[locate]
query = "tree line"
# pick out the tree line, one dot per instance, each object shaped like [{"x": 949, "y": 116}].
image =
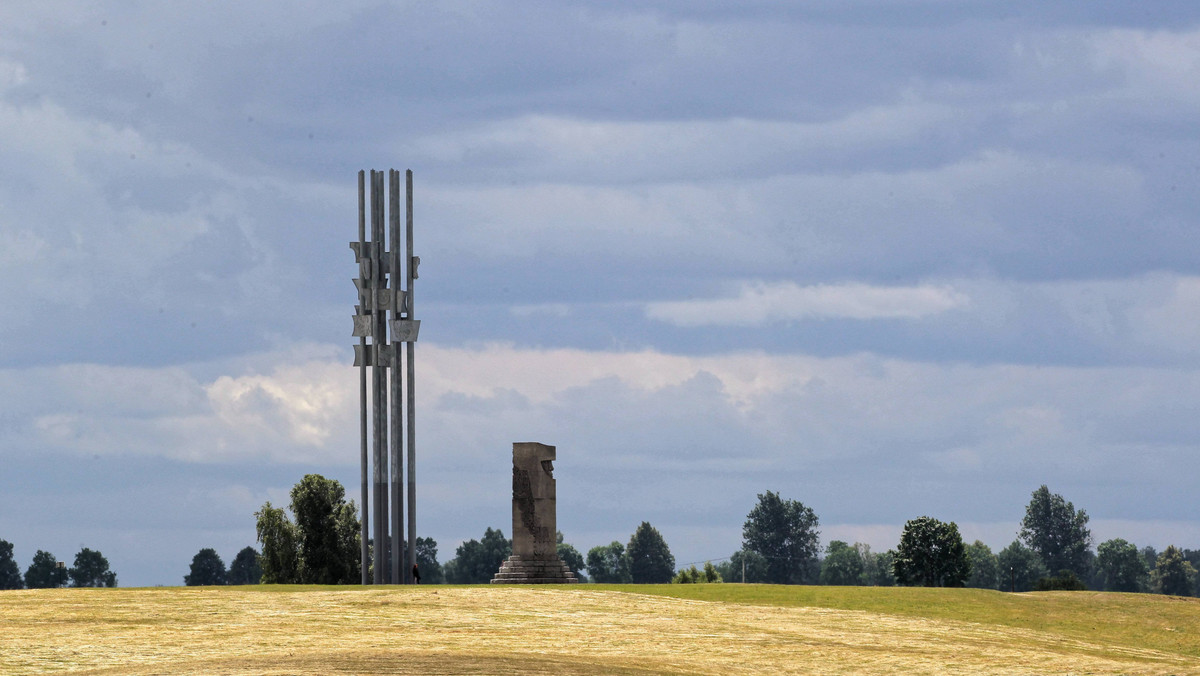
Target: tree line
[
  {"x": 46, "y": 572},
  {"x": 316, "y": 541},
  {"x": 1051, "y": 551},
  {"x": 780, "y": 545},
  {"x": 209, "y": 569}
]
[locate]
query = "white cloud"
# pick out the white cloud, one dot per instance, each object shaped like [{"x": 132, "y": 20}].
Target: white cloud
[
  {"x": 573, "y": 149},
  {"x": 301, "y": 404},
  {"x": 12, "y": 74},
  {"x": 674, "y": 439},
  {"x": 1154, "y": 65},
  {"x": 1008, "y": 212},
  {"x": 96, "y": 212},
  {"x": 744, "y": 411},
  {"x": 550, "y": 309},
  {"x": 1154, "y": 317},
  {"x": 543, "y": 375},
  {"x": 1171, "y": 320},
  {"x": 759, "y": 303},
  {"x": 291, "y": 413},
  {"x": 160, "y": 172}
]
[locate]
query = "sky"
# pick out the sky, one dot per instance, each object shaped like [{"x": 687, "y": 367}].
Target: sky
[{"x": 887, "y": 258}]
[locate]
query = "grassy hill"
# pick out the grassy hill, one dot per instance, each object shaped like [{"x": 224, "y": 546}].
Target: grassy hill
[{"x": 593, "y": 629}]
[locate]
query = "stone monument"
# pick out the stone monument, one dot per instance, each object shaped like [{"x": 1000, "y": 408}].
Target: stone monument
[{"x": 535, "y": 532}]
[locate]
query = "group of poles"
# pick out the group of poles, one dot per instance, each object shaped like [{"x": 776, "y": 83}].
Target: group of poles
[{"x": 384, "y": 310}]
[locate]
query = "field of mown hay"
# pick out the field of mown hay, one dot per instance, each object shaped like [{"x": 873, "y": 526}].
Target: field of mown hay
[{"x": 591, "y": 629}]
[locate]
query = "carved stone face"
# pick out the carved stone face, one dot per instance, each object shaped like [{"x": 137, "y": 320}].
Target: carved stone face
[{"x": 537, "y": 462}]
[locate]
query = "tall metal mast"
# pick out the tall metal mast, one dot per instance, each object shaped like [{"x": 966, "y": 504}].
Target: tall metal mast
[{"x": 382, "y": 270}]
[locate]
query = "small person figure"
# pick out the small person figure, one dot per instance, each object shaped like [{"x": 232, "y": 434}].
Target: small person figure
[{"x": 416, "y": 574}]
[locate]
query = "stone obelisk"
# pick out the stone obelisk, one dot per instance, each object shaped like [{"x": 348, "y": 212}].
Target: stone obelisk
[{"x": 535, "y": 543}]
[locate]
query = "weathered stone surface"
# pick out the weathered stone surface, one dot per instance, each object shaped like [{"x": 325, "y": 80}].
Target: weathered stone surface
[
  {"x": 535, "y": 553},
  {"x": 517, "y": 571}
]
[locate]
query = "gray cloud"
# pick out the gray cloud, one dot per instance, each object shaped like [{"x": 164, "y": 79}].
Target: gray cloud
[
  {"x": 177, "y": 191},
  {"x": 681, "y": 441},
  {"x": 759, "y": 303}
]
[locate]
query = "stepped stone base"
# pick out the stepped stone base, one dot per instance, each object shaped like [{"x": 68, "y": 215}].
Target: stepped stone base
[{"x": 518, "y": 570}]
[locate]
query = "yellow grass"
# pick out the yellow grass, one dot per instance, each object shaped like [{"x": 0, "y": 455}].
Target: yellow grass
[{"x": 589, "y": 630}]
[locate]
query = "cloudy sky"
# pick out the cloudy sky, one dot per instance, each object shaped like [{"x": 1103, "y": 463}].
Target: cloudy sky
[{"x": 888, "y": 258}]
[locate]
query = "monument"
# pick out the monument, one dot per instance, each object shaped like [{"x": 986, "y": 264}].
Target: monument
[
  {"x": 535, "y": 532},
  {"x": 385, "y": 307}
]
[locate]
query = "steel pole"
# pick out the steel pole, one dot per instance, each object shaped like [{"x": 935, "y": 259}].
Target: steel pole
[
  {"x": 397, "y": 495},
  {"x": 411, "y": 274},
  {"x": 363, "y": 297},
  {"x": 378, "y": 384}
]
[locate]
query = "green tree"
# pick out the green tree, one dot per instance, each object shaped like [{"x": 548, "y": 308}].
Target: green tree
[
  {"x": 1172, "y": 573},
  {"x": 427, "y": 561},
  {"x": 690, "y": 575},
  {"x": 931, "y": 554},
  {"x": 478, "y": 561},
  {"x": 571, "y": 556},
  {"x": 879, "y": 568},
  {"x": 10, "y": 572},
  {"x": 843, "y": 565},
  {"x": 1020, "y": 568},
  {"x": 280, "y": 560},
  {"x": 321, "y": 546},
  {"x": 1091, "y": 580},
  {"x": 1192, "y": 556},
  {"x": 207, "y": 569},
  {"x": 1149, "y": 557},
  {"x": 693, "y": 575},
  {"x": 1120, "y": 567},
  {"x": 744, "y": 566},
  {"x": 608, "y": 564},
  {"x": 328, "y": 531},
  {"x": 985, "y": 567},
  {"x": 1058, "y": 533},
  {"x": 650, "y": 559},
  {"x": 868, "y": 563},
  {"x": 245, "y": 568},
  {"x": 785, "y": 533},
  {"x": 91, "y": 570},
  {"x": 45, "y": 572},
  {"x": 349, "y": 538}
]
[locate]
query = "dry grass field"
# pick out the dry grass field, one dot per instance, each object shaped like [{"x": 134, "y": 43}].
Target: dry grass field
[{"x": 589, "y": 629}]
